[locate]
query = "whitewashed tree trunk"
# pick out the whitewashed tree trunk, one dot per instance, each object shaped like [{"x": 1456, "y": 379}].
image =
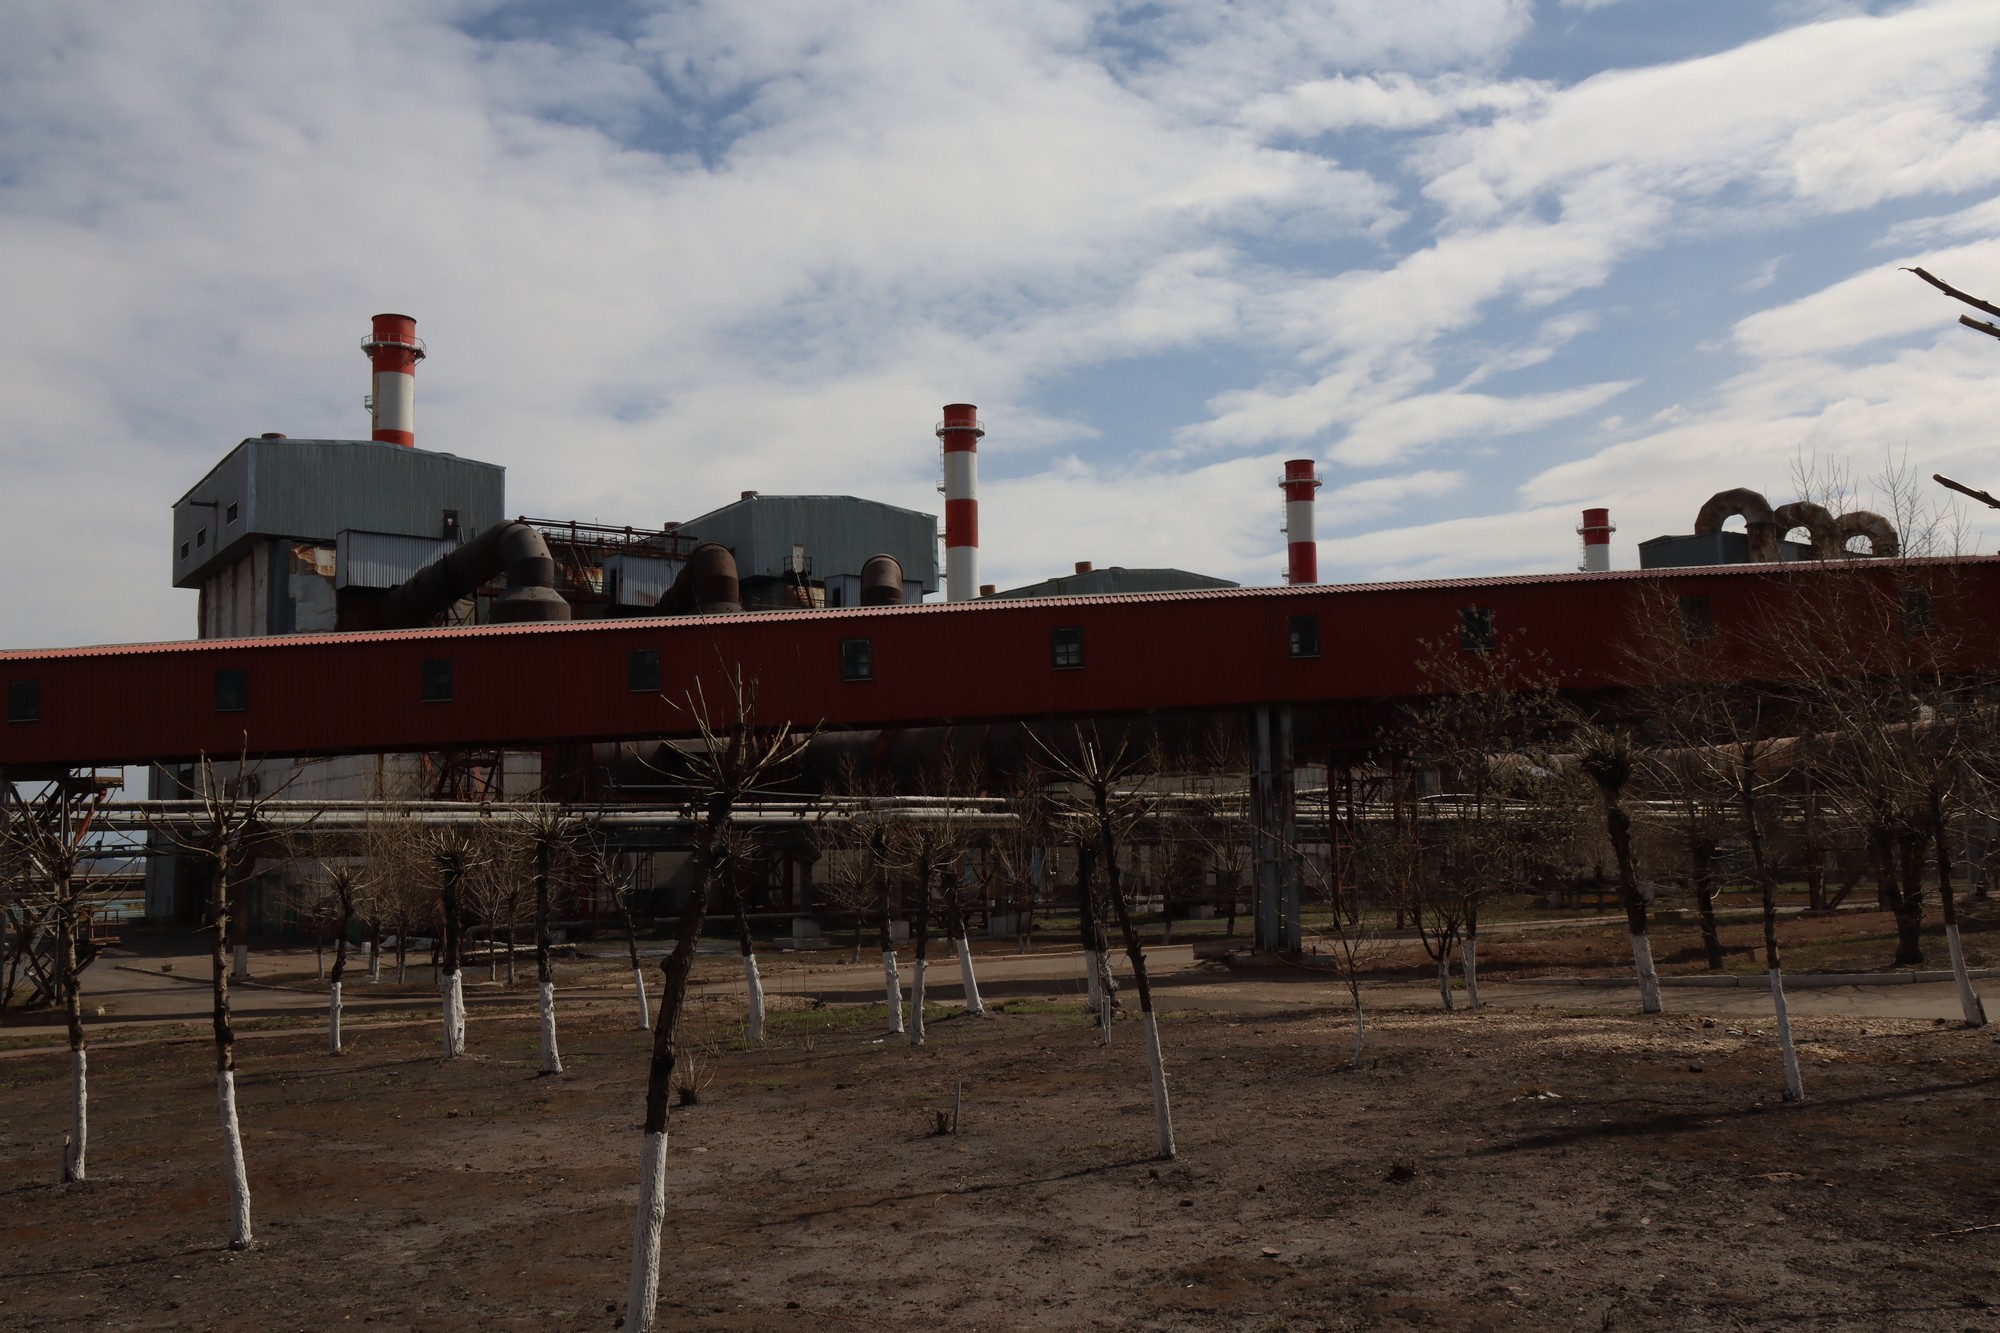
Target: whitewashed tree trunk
[
  {"x": 454, "y": 1015},
  {"x": 1794, "y": 1090},
  {"x": 241, "y": 971},
  {"x": 374, "y": 962},
  {"x": 551, "y": 1059},
  {"x": 892, "y": 992},
  {"x": 1444, "y": 978},
  {"x": 649, "y": 1220},
  {"x": 79, "y": 1113},
  {"x": 1107, "y": 985},
  {"x": 1096, "y": 990},
  {"x": 1470, "y": 967},
  {"x": 645, "y": 1013},
  {"x": 917, "y": 1003},
  {"x": 1968, "y": 999},
  {"x": 754, "y": 984},
  {"x": 1649, "y": 979},
  {"x": 232, "y": 1146},
  {"x": 1163, "y": 1117},
  {"x": 333, "y": 1019},
  {"x": 968, "y": 977}
]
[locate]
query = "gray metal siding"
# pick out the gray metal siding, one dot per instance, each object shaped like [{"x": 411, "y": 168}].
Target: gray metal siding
[
  {"x": 839, "y": 533},
  {"x": 382, "y": 559},
  {"x": 1115, "y": 580},
  {"x": 316, "y": 489}
]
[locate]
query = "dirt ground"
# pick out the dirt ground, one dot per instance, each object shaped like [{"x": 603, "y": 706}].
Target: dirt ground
[{"x": 1491, "y": 1171}]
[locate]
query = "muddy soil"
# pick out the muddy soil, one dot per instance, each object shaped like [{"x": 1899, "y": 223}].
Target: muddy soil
[{"x": 1548, "y": 1170}]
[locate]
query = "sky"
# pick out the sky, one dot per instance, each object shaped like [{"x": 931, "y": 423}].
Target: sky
[{"x": 1488, "y": 262}]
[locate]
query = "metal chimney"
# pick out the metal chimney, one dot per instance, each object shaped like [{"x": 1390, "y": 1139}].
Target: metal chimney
[
  {"x": 1301, "y": 547},
  {"x": 1596, "y": 529},
  {"x": 394, "y": 351},
  {"x": 960, "y": 431}
]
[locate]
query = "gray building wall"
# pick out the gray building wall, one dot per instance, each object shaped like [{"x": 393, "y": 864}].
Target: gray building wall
[
  {"x": 1714, "y": 548},
  {"x": 839, "y": 533},
  {"x": 312, "y": 490},
  {"x": 1117, "y": 579}
]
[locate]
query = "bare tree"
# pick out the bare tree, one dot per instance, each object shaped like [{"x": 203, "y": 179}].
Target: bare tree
[
  {"x": 1104, "y": 790},
  {"x": 621, "y": 883},
  {"x": 736, "y": 757},
  {"x": 42, "y": 841},
  {"x": 453, "y": 856},
  {"x": 552, "y": 835},
  {"x": 224, "y": 835}
]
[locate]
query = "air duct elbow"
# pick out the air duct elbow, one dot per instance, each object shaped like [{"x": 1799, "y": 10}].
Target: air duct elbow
[
  {"x": 513, "y": 549},
  {"x": 1759, "y": 524},
  {"x": 707, "y": 584},
  {"x": 882, "y": 581}
]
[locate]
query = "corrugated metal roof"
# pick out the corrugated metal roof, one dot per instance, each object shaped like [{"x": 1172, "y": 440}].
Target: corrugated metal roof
[
  {"x": 1117, "y": 581},
  {"x": 995, "y": 605},
  {"x": 311, "y": 490},
  {"x": 839, "y": 533}
]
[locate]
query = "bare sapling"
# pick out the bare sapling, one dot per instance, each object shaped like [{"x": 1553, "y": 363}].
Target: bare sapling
[
  {"x": 892, "y": 984},
  {"x": 921, "y": 937},
  {"x": 345, "y": 884},
  {"x": 41, "y": 843},
  {"x": 1968, "y": 999},
  {"x": 753, "y": 980},
  {"x": 1105, "y": 791},
  {"x": 955, "y": 914},
  {"x": 1606, "y": 758},
  {"x": 734, "y": 758},
  {"x": 552, "y": 835},
  {"x": 451, "y": 859}
]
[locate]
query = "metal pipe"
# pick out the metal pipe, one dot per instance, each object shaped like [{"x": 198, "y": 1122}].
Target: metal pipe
[
  {"x": 706, "y": 585},
  {"x": 881, "y": 581},
  {"x": 514, "y": 549}
]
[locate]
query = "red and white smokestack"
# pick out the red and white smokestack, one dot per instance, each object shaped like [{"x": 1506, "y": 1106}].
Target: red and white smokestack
[
  {"x": 1596, "y": 529},
  {"x": 1301, "y": 547},
  {"x": 394, "y": 351},
  {"x": 960, "y": 431}
]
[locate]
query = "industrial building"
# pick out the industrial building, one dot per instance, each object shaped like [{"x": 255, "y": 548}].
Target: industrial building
[{"x": 528, "y": 654}]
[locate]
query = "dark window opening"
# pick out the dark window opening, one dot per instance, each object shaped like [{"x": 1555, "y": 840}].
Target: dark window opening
[
  {"x": 1303, "y": 632},
  {"x": 1475, "y": 629},
  {"x": 201, "y": 536},
  {"x": 857, "y": 659},
  {"x": 451, "y": 523},
  {"x": 184, "y": 550},
  {"x": 436, "y": 680},
  {"x": 229, "y": 515},
  {"x": 24, "y": 701},
  {"x": 232, "y": 690},
  {"x": 1066, "y": 647},
  {"x": 1917, "y": 611},
  {"x": 1697, "y": 619},
  {"x": 642, "y": 671}
]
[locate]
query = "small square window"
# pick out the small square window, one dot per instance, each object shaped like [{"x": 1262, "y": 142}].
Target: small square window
[
  {"x": 1697, "y": 619},
  {"x": 24, "y": 701},
  {"x": 857, "y": 659},
  {"x": 642, "y": 671},
  {"x": 450, "y": 524},
  {"x": 1917, "y": 611},
  {"x": 201, "y": 536},
  {"x": 1303, "y": 634},
  {"x": 229, "y": 514},
  {"x": 184, "y": 550},
  {"x": 232, "y": 690},
  {"x": 1066, "y": 647},
  {"x": 1475, "y": 629},
  {"x": 435, "y": 680}
]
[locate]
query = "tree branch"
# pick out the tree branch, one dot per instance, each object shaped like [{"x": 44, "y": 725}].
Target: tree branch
[{"x": 1957, "y": 295}]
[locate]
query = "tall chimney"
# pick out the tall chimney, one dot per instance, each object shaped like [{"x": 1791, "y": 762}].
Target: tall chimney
[
  {"x": 1596, "y": 529},
  {"x": 394, "y": 351},
  {"x": 960, "y": 431},
  {"x": 1301, "y": 548}
]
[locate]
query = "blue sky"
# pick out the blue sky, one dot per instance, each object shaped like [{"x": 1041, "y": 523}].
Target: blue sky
[{"x": 1488, "y": 261}]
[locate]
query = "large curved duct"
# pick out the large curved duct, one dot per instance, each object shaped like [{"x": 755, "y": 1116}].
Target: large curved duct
[
  {"x": 515, "y": 549},
  {"x": 1758, "y": 521},
  {"x": 707, "y": 584},
  {"x": 1880, "y": 532},
  {"x": 882, "y": 581},
  {"x": 1815, "y": 520}
]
